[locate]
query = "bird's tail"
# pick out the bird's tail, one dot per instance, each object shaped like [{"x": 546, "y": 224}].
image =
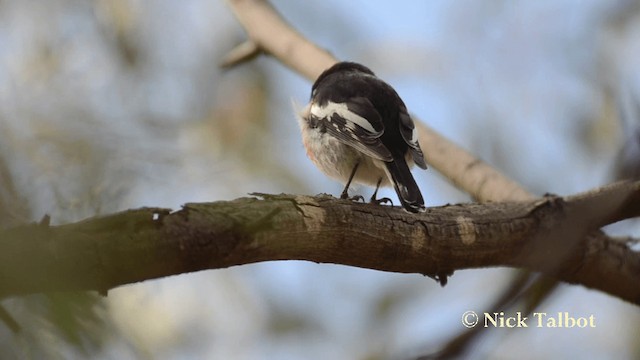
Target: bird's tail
[{"x": 405, "y": 185}]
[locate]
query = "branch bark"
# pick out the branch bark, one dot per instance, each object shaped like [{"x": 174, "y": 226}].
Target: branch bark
[{"x": 105, "y": 252}]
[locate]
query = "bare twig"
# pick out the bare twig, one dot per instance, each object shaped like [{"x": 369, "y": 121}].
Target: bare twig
[{"x": 244, "y": 52}]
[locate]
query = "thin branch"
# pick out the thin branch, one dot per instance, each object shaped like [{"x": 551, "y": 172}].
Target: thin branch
[
  {"x": 244, "y": 52},
  {"x": 266, "y": 28},
  {"x": 104, "y": 252}
]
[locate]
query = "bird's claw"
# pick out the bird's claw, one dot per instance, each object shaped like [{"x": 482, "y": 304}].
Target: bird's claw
[
  {"x": 345, "y": 196},
  {"x": 384, "y": 200}
]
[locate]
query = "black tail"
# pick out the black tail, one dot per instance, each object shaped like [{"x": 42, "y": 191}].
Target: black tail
[{"x": 406, "y": 187}]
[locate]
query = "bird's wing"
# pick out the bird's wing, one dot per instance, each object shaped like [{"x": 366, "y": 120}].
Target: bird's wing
[
  {"x": 356, "y": 123},
  {"x": 410, "y": 136}
]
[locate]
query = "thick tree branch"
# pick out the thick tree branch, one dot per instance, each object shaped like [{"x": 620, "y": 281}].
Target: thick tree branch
[{"x": 104, "y": 252}]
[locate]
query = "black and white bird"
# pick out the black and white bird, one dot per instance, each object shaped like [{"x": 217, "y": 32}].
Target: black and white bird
[{"x": 357, "y": 129}]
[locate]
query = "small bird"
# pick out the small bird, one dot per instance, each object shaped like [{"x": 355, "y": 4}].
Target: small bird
[{"x": 356, "y": 128}]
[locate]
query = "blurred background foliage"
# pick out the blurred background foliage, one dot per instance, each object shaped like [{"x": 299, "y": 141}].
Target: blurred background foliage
[{"x": 113, "y": 104}]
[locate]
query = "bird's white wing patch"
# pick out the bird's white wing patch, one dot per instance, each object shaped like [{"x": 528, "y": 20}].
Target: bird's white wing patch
[{"x": 325, "y": 112}]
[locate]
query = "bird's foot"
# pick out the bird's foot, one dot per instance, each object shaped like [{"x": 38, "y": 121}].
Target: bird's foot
[
  {"x": 384, "y": 200},
  {"x": 356, "y": 198}
]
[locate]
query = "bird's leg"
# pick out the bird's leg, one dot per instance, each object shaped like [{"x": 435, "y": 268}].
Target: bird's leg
[
  {"x": 384, "y": 200},
  {"x": 345, "y": 194}
]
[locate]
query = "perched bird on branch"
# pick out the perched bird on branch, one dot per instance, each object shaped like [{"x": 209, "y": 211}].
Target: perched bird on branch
[{"x": 357, "y": 129}]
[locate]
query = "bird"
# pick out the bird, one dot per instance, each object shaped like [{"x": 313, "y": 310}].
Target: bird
[{"x": 356, "y": 128}]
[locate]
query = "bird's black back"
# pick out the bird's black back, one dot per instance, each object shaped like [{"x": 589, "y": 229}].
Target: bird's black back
[{"x": 347, "y": 80}]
